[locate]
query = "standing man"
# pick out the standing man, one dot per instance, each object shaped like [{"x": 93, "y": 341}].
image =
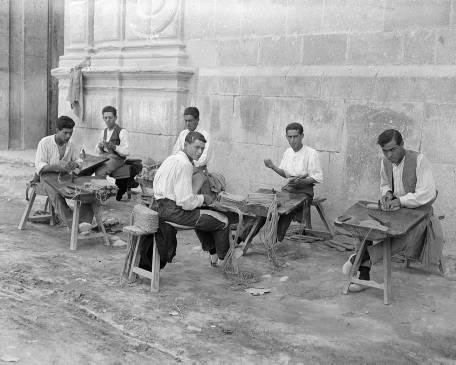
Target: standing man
[
  {"x": 405, "y": 181},
  {"x": 301, "y": 166},
  {"x": 177, "y": 203},
  {"x": 113, "y": 143},
  {"x": 56, "y": 155}
]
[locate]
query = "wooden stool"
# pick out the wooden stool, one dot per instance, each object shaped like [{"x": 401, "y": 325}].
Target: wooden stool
[
  {"x": 36, "y": 189},
  {"x": 134, "y": 242},
  {"x": 307, "y": 221},
  {"x": 131, "y": 266}
]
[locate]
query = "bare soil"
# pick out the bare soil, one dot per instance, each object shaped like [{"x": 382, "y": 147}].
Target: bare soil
[{"x": 66, "y": 307}]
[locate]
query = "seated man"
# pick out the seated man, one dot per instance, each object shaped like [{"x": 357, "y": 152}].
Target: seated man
[
  {"x": 301, "y": 166},
  {"x": 113, "y": 143},
  {"x": 176, "y": 202},
  {"x": 405, "y": 181},
  {"x": 56, "y": 155},
  {"x": 200, "y": 180}
]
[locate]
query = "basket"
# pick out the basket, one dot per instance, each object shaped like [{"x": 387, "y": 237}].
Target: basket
[{"x": 145, "y": 219}]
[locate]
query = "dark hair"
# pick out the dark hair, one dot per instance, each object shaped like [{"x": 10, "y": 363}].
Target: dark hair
[
  {"x": 64, "y": 122},
  {"x": 388, "y": 135},
  {"x": 193, "y": 111},
  {"x": 194, "y": 136},
  {"x": 295, "y": 127},
  {"x": 109, "y": 109}
]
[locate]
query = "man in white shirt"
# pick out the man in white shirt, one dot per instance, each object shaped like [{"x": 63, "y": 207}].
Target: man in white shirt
[
  {"x": 56, "y": 155},
  {"x": 405, "y": 181},
  {"x": 301, "y": 166},
  {"x": 177, "y": 203},
  {"x": 113, "y": 143}
]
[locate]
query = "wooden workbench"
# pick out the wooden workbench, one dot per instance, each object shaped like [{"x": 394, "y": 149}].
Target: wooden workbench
[{"x": 399, "y": 223}]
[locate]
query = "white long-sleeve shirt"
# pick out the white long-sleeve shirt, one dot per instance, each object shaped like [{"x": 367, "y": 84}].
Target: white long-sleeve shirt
[
  {"x": 47, "y": 153},
  {"x": 425, "y": 186},
  {"x": 207, "y": 153},
  {"x": 122, "y": 149},
  {"x": 305, "y": 161},
  {"x": 173, "y": 181}
]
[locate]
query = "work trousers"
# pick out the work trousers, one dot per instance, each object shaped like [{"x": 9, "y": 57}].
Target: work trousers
[
  {"x": 211, "y": 228},
  {"x": 107, "y": 168}
]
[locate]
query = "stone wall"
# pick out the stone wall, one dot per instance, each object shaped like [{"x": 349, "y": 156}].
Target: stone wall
[
  {"x": 4, "y": 73},
  {"x": 346, "y": 69}
]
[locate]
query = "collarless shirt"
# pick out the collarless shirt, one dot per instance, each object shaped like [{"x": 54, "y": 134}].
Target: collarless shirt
[
  {"x": 207, "y": 153},
  {"x": 425, "y": 186},
  {"x": 305, "y": 161},
  {"x": 173, "y": 181},
  {"x": 47, "y": 153}
]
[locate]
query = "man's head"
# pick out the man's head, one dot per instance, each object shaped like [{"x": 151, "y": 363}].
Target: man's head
[
  {"x": 109, "y": 114},
  {"x": 392, "y": 145},
  {"x": 191, "y": 117},
  {"x": 63, "y": 129},
  {"x": 194, "y": 145},
  {"x": 295, "y": 134}
]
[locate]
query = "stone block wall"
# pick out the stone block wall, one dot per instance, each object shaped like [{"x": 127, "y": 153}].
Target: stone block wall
[{"x": 346, "y": 69}]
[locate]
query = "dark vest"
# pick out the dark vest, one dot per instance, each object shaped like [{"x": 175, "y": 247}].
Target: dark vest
[
  {"x": 408, "y": 174},
  {"x": 115, "y": 136}
]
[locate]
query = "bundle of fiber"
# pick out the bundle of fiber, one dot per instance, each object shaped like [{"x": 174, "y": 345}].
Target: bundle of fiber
[{"x": 145, "y": 219}]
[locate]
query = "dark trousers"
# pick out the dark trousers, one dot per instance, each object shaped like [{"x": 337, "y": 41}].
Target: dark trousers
[{"x": 213, "y": 233}]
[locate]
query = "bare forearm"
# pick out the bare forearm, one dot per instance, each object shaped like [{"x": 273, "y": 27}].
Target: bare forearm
[
  {"x": 279, "y": 171},
  {"x": 51, "y": 168}
]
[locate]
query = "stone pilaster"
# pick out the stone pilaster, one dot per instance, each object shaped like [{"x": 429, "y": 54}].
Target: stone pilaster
[{"x": 137, "y": 63}]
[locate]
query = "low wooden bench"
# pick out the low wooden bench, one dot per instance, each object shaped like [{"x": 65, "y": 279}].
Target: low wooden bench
[
  {"x": 36, "y": 189},
  {"x": 133, "y": 258}
]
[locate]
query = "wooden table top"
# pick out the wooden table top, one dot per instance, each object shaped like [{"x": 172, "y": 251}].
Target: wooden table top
[
  {"x": 287, "y": 202},
  {"x": 90, "y": 163},
  {"x": 399, "y": 222},
  {"x": 66, "y": 187}
]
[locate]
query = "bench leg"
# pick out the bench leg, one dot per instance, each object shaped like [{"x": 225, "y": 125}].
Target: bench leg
[
  {"x": 248, "y": 240},
  {"x": 306, "y": 215},
  {"x": 52, "y": 210},
  {"x": 135, "y": 258},
  {"x": 97, "y": 212},
  {"x": 155, "y": 280},
  {"x": 27, "y": 210},
  {"x": 387, "y": 271},
  {"x": 75, "y": 225},
  {"x": 356, "y": 265},
  {"x": 324, "y": 217}
]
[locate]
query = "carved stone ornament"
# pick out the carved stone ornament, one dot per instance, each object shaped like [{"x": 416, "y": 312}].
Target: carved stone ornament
[{"x": 148, "y": 18}]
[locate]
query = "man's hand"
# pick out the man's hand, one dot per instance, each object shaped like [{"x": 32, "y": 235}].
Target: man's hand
[
  {"x": 299, "y": 181},
  {"x": 208, "y": 200},
  {"x": 268, "y": 163},
  {"x": 395, "y": 203},
  {"x": 67, "y": 166},
  {"x": 387, "y": 197}
]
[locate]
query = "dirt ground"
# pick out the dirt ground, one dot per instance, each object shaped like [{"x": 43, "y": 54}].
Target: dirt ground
[{"x": 66, "y": 307}]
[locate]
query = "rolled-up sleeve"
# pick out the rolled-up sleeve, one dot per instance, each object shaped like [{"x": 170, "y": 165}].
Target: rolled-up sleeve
[
  {"x": 315, "y": 171},
  {"x": 41, "y": 158},
  {"x": 425, "y": 190},
  {"x": 123, "y": 149},
  {"x": 183, "y": 190}
]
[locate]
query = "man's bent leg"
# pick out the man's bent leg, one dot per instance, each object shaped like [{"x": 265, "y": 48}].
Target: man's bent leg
[
  {"x": 213, "y": 231},
  {"x": 109, "y": 166},
  {"x": 61, "y": 208}
]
